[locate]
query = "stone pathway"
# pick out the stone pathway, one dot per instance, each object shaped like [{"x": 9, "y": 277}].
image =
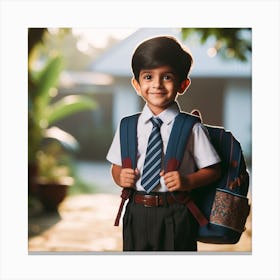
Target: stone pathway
[{"x": 85, "y": 224}]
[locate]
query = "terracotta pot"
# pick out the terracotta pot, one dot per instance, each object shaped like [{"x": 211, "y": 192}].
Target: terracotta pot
[{"x": 51, "y": 194}]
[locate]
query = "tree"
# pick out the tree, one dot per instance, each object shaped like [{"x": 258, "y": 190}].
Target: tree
[{"x": 230, "y": 42}]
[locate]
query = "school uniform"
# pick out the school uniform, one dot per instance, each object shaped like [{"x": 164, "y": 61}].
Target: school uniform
[{"x": 168, "y": 226}]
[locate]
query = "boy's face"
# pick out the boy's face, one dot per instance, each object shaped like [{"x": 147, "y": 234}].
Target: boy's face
[{"x": 159, "y": 87}]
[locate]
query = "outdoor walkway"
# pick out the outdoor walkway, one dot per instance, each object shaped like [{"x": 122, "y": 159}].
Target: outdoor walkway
[{"x": 85, "y": 224}]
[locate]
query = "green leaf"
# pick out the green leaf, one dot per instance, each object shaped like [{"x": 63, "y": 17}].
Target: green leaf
[
  {"x": 69, "y": 105},
  {"x": 47, "y": 79},
  {"x": 230, "y": 38},
  {"x": 63, "y": 137}
]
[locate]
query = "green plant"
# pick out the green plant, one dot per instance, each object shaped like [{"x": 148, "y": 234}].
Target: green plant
[
  {"x": 231, "y": 43},
  {"x": 43, "y": 112},
  {"x": 53, "y": 164}
]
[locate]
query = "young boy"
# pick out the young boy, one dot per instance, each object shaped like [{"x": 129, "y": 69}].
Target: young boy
[{"x": 161, "y": 67}]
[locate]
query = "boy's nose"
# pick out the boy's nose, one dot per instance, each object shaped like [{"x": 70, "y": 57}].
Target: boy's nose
[{"x": 157, "y": 83}]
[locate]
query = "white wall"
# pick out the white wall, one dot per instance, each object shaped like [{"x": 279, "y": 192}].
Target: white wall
[
  {"x": 238, "y": 112},
  {"x": 125, "y": 102}
]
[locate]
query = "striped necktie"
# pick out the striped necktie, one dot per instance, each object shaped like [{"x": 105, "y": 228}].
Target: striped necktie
[{"x": 152, "y": 165}]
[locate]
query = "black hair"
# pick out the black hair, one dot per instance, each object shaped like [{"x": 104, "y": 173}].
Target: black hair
[{"x": 160, "y": 51}]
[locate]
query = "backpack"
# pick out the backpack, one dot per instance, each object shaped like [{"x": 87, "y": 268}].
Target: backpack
[{"x": 221, "y": 208}]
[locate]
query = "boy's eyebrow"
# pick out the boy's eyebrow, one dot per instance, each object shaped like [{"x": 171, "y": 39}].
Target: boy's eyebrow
[{"x": 145, "y": 71}]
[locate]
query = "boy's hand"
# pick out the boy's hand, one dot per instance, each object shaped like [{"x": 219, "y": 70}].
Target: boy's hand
[
  {"x": 202, "y": 177},
  {"x": 128, "y": 177},
  {"x": 174, "y": 181}
]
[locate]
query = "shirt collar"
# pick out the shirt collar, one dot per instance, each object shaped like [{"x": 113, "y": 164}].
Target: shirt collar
[{"x": 167, "y": 116}]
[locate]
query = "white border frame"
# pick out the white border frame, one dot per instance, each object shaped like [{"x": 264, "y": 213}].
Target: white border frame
[{"x": 17, "y": 16}]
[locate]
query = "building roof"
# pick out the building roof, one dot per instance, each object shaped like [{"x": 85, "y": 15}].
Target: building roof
[{"x": 117, "y": 60}]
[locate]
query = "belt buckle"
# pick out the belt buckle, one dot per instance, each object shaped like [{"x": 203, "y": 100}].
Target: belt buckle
[{"x": 147, "y": 196}]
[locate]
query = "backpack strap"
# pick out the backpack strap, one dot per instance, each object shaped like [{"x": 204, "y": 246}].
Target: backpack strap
[
  {"x": 128, "y": 140},
  {"x": 178, "y": 140}
]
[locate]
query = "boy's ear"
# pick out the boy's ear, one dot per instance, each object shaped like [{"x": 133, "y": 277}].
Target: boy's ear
[
  {"x": 184, "y": 85},
  {"x": 136, "y": 85}
]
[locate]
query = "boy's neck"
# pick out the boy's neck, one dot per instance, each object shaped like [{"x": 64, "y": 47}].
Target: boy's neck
[{"x": 158, "y": 110}]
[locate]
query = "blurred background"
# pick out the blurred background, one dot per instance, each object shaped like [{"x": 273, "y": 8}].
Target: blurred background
[{"x": 78, "y": 90}]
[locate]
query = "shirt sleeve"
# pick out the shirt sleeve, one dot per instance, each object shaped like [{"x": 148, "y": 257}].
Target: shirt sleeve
[
  {"x": 114, "y": 153},
  {"x": 202, "y": 149}
]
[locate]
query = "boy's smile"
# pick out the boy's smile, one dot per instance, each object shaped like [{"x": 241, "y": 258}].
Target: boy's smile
[{"x": 159, "y": 87}]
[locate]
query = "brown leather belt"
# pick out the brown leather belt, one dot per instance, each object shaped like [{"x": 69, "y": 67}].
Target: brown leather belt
[
  {"x": 160, "y": 199},
  {"x": 155, "y": 200}
]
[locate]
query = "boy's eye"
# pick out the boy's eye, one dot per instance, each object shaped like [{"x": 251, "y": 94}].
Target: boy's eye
[
  {"x": 166, "y": 77},
  {"x": 147, "y": 77}
]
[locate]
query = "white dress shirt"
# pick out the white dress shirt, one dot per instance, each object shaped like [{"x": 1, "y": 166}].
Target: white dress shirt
[{"x": 199, "y": 152}]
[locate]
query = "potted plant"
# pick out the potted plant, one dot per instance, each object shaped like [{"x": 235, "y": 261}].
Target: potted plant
[
  {"x": 54, "y": 176},
  {"x": 45, "y": 170}
]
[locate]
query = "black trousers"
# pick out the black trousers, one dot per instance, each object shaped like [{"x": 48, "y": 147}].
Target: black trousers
[{"x": 164, "y": 228}]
